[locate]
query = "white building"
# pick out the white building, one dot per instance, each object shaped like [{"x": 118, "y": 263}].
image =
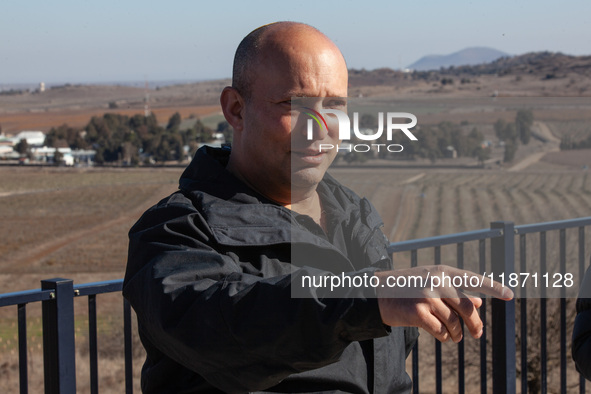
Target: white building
[
  {"x": 33, "y": 138},
  {"x": 45, "y": 154},
  {"x": 6, "y": 152}
]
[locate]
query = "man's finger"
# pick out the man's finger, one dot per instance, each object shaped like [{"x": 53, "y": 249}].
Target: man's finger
[
  {"x": 466, "y": 309},
  {"x": 433, "y": 325},
  {"x": 449, "y": 318}
]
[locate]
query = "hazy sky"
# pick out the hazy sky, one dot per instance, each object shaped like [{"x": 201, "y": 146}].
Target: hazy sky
[{"x": 96, "y": 41}]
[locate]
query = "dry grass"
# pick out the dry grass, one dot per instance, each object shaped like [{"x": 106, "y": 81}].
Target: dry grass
[
  {"x": 63, "y": 220},
  {"x": 580, "y": 158}
]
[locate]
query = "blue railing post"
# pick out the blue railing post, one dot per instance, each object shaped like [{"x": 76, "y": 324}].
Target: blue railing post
[
  {"x": 58, "y": 337},
  {"x": 503, "y": 312}
]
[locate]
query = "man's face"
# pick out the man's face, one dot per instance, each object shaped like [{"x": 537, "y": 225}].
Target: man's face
[{"x": 282, "y": 157}]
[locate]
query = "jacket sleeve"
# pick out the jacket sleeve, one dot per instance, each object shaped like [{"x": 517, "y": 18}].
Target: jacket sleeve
[
  {"x": 581, "y": 346},
  {"x": 240, "y": 332}
]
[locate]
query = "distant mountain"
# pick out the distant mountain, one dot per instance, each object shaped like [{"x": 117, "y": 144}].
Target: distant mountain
[
  {"x": 468, "y": 56},
  {"x": 542, "y": 65},
  {"x": 546, "y": 65}
]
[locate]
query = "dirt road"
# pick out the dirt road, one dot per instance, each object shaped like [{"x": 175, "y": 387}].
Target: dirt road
[{"x": 551, "y": 144}]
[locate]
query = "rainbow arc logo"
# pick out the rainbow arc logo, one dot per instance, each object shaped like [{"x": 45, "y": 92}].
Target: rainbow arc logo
[{"x": 316, "y": 116}]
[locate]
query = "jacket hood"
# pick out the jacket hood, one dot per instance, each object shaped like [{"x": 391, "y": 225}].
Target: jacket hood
[{"x": 207, "y": 173}]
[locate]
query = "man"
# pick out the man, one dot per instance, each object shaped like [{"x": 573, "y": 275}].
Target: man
[
  {"x": 210, "y": 271},
  {"x": 581, "y": 340}
]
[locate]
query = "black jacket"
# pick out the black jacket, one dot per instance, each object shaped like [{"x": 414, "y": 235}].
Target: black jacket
[
  {"x": 581, "y": 349},
  {"x": 210, "y": 274}
]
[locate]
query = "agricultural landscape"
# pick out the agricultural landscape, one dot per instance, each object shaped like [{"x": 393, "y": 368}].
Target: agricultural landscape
[{"x": 73, "y": 222}]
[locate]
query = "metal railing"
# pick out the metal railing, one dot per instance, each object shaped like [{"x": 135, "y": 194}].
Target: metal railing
[
  {"x": 57, "y": 299},
  {"x": 501, "y": 237},
  {"x": 57, "y": 310}
]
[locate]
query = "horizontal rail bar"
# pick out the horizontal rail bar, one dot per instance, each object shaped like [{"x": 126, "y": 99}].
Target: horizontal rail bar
[
  {"x": 36, "y": 295},
  {"x": 440, "y": 240},
  {"x": 109, "y": 286},
  {"x": 25, "y": 297},
  {"x": 556, "y": 225}
]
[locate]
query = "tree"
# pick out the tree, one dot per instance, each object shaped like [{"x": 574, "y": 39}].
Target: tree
[
  {"x": 108, "y": 135},
  {"x": 523, "y": 122},
  {"x": 225, "y": 128},
  {"x": 368, "y": 121},
  {"x": 57, "y": 157},
  {"x": 199, "y": 133},
  {"x": 70, "y": 137},
  {"x": 506, "y": 131},
  {"x": 193, "y": 146},
  {"x": 510, "y": 149},
  {"x": 99, "y": 157},
  {"x": 174, "y": 122},
  {"x": 499, "y": 127},
  {"x": 22, "y": 147},
  {"x": 474, "y": 144},
  {"x": 482, "y": 154},
  {"x": 129, "y": 153},
  {"x": 429, "y": 147},
  {"x": 169, "y": 147}
]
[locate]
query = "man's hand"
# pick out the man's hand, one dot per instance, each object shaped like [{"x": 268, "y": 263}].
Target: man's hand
[{"x": 437, "y": 309}]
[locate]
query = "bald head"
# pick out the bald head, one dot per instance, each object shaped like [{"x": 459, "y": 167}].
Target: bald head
[
  {"x": 268, "y": 42},
  {"x": 273, "y": 64}
]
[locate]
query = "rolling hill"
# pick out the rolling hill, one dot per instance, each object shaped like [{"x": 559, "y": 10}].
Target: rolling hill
[{"x": 468, "y": 56}]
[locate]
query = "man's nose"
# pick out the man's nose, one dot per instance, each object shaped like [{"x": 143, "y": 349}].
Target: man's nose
[
  {"x": 309, "y": 124},
  {"x": 315, "y": 129}
]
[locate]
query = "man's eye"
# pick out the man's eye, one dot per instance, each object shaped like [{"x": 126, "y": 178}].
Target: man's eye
[{"x": 335, "y": 104}]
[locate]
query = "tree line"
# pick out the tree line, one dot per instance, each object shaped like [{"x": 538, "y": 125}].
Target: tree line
[
  {"x": 513, "y": 133},
  {"x": 117, "y": 137},
  {"x": 448, "y": 139},
  {"x": 140, "y": 138}
]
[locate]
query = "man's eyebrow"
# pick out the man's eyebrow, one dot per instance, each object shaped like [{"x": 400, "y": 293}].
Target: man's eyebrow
[
  {"x": 303, "y": 95},
  {"x": 341, "y": 100}
]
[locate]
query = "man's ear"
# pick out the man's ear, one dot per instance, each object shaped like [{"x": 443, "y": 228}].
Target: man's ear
[{"x": 232, "y": 106}]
